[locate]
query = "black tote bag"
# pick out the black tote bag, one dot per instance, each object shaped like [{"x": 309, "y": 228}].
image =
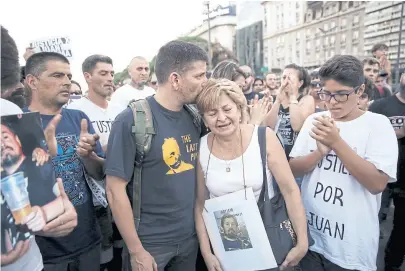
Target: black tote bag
[{"x": 278, "y": 226}]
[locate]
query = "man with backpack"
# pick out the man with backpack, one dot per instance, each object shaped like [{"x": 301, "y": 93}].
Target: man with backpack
[{"x": 152, "y": 154}]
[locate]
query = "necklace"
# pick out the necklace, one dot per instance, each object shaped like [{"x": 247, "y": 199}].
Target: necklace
[
  {"x": 228, "y": 163},
  {"x": 228, "y": 166}
]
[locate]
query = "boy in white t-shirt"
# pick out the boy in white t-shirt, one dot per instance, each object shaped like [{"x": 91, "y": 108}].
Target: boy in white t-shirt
[{"x": 345, "y": 169}]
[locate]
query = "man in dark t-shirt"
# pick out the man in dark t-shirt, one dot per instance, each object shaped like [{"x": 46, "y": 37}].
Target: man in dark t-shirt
[
  {"x": 166, "y": 236},
  {"x": 394, "y": 108}
]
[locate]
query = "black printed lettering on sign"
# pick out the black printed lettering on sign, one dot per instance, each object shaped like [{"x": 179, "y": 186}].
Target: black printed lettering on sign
[
  {"x": 102, "y": 126},
  {"x": 332, "y": 163},
  {"x": 53, "y": 45},
  {"x": 333, "y": 229}
]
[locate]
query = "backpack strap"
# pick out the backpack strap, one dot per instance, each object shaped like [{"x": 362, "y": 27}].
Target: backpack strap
[
  {"x": 143, "y": 132},
  {"x": 193, "y": 111}
]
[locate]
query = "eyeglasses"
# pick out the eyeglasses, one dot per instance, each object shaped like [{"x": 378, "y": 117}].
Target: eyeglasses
[
  {"x": 154, "y": 83},
  {"x": 340, "y": 97}
]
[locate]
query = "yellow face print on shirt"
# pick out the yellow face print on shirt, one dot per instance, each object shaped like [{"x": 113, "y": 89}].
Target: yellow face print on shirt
[{"x": 171, "y": 156}]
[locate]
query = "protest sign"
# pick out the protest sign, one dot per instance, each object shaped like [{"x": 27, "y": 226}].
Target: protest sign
[{"x": 61, "y": 45}]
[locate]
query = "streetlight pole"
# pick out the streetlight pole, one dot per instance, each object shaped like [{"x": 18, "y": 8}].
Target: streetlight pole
[
  {"x": 207, "y": 4},
  {"x": 399, "y": 40}
]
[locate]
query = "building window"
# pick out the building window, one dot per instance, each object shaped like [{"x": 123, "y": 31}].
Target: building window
[
  {"x": 350, "y": 4},
  {"x": 343, "y": 25},
  {"x": 343, "y": 50},
  {"x": 308, "y": 45},
  {"x": 354, "y": 50},
  {"x": 355, "y": 35},
  {"x": 356, "y": 20},
  {"x": 345, "y": 5},
  {"x": 332, "y": 40},
  {"x": 343, "y": 38},
  {"x": 332, "y": 26},
  {"x": 297, "y": 18},
  {"x": 297, "y": 53},
  {"x": 317, "y": 56},
  {"x": 297, "y": 5},
  {"x": 326, "y": 27},
  {"x": 308, "y": 34}
]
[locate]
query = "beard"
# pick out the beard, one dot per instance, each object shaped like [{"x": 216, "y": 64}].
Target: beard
[
  {"x": 9, "y": 160},
  {"x": 231, "y": 234}
]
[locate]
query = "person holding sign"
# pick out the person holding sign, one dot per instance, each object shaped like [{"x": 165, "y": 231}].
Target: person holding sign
[
  {"x": 230, "y": 160},
  {"x": 26, "y": 255},
  {"x": 78, "y": 153},
  {"x": 345, "y": 170}
]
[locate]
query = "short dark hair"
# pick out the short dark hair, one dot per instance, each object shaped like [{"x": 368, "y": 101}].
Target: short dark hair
[
  {"x": 257, "y": 79},
  {"x": 302, "y": 75},
  {"x": 176, "y": 56},
  {"x": 379, "y": 46},
  {"x": 76, "y": 83},
  {"x": 371, "y": 61},
  {"x": 10, "y": 67},
  {"x": 228, "y": 216},
  {"x": 89, "y": 64},
  {"x": 314, "y": 75},
  {"x": 36, "y": 64},
  {"x": 345, "y": 69},
  {"x": 227, "y": 70}
]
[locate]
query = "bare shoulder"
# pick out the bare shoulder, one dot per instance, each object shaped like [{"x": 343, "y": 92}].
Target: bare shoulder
[{"x": 307, "y": 99}]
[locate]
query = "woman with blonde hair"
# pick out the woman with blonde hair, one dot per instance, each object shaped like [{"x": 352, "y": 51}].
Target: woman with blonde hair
[{"x": 230, "y": 160}]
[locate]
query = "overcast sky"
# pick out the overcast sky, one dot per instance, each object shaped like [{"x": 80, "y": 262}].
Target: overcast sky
[{"x": 120, "y": 29}]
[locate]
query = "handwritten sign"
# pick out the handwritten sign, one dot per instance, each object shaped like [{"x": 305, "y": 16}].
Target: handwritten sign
[{"x": 61, "y": 45}]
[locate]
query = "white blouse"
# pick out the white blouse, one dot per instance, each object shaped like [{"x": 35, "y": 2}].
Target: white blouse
[{"x": 220, "y": 182}]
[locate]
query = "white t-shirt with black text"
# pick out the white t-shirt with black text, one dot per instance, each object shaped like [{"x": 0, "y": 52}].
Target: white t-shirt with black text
[
  {"x": 100, "y": 118},
  {"x": 342, "y": 214}
]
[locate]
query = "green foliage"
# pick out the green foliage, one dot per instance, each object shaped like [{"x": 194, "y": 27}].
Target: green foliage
[{"x": 119, "y": 77}]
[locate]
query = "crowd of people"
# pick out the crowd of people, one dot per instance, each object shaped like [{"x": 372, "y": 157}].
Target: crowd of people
[{"x": 135, "y": 176}]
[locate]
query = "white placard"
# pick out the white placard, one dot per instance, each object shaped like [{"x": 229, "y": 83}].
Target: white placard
[
  {"x": 237, "y": 233},
  {"x": 61, "y": 45}
]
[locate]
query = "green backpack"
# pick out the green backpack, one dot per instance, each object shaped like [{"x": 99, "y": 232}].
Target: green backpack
[{"x": 143, "y": 132}]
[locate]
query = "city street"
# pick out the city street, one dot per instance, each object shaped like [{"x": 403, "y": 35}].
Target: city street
[{"x": 386, "y": 228}]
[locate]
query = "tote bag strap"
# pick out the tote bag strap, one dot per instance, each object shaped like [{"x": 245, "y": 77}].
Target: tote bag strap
[{"x": 262, "y": 143}]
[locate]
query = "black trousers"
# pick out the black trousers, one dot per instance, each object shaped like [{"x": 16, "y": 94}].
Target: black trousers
[{"x": 395, "y": 249}]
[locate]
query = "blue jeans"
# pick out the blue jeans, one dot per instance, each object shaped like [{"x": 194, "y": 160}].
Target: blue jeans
[{"x": 179, "y": 257}]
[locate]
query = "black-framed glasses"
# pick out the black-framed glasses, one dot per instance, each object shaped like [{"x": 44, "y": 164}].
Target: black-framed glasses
[{"x": 340, "y": 97}]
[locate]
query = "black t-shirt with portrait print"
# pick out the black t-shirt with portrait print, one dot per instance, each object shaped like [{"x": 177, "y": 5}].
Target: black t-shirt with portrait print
[{"x": 394, "y": 109}]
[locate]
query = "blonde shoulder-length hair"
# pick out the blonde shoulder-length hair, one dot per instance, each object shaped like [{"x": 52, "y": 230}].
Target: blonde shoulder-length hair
[{"x": 209, "y": 96}]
